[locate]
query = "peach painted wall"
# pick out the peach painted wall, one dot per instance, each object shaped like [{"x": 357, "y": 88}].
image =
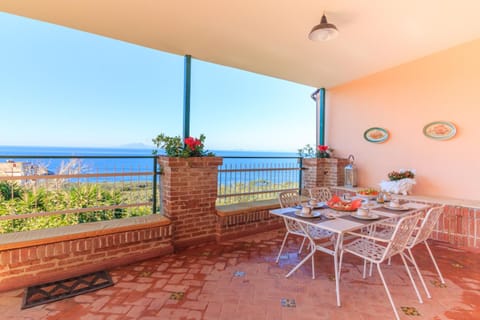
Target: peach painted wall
[{"x": 443, "y": 86}]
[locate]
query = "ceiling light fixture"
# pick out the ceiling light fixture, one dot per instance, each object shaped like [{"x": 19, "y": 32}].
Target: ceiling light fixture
[{"x": 323, "y": 31}]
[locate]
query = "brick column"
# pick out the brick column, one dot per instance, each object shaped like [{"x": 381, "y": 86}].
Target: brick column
[
  {"x": 189, "y": 192},
  {"x": 323, "y": 172}
]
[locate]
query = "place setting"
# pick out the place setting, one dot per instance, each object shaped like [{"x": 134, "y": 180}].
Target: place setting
[
  {"x": 363, "y": 215},
  {"x": 308, "y": 211},
  {"x": 394, "y": 206}
]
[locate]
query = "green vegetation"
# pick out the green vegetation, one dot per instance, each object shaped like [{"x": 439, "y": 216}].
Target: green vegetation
[
  {"x": 16, "y": 199},
  {"x": 256, "y": 190}
]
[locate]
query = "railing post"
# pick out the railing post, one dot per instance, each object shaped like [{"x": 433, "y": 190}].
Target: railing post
[
  {"x": 186, "y": 96},
  {"x": 154, "y": 188},
  {"x": 321, "y": 132},
  {"x": 300, "y": 161}
]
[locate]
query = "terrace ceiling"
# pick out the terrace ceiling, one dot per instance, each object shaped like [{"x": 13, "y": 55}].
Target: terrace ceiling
[{"x": 270, "y": 36}]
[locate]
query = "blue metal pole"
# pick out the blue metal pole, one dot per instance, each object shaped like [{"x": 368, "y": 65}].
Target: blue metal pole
[
  {"x": 300, "y": 182},
  {"x": 154, "y": 198},
  {"x": 321, "y": 133},
  {"x": 186, "y": 96}
]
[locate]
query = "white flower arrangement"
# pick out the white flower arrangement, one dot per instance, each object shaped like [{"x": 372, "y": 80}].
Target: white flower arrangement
[{"x": 397, "y": 184}]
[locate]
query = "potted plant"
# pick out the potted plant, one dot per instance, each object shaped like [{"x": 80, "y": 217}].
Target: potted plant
[
  {"x": 175, "y": 147},
  {"x": 321, "y": 151}
]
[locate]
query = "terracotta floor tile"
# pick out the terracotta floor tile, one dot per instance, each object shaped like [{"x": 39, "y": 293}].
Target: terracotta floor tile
[
  {"x": 239, "y": 279},
  {"x": 91, "y": 317}
]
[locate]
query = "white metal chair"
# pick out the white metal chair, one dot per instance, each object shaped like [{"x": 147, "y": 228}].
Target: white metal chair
[
  {"x": 321, "y": 194},
  {"x": 376, "y": 250},
  {"x": 291, "y": 199},
  {"x": 420, "y": 235}
]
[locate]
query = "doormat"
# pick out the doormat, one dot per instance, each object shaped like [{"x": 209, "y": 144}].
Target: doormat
[{"x": 58, "y": 290}]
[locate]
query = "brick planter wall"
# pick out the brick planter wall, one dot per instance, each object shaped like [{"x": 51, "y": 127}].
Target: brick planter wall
[
  {"x": 251, "y": 219},
  {"x": 323, "y": 172},
  {"x": 35, "y": 261},
  {"x": 459, "y": 226},
  {"x": 189, "y": 187}
]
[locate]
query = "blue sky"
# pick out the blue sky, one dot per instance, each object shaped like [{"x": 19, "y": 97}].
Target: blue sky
[{"x": 63, "y": 87}]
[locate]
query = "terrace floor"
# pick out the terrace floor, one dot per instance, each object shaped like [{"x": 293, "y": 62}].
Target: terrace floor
[{"x": 239, "y": 279}]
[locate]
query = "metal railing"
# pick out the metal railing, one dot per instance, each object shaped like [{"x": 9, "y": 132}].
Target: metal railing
[
  {"x": 39, "y": 192},
  {"x": 248, "y": 179}
]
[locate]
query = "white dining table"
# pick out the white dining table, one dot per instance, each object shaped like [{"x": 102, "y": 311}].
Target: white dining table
[{"x": 339, "y": 223}]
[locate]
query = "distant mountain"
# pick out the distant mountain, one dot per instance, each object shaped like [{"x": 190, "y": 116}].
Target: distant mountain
[{"x": 135, "y": 145}]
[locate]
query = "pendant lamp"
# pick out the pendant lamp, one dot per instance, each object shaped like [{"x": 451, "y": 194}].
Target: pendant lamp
[{"x": 323, "y": 31}]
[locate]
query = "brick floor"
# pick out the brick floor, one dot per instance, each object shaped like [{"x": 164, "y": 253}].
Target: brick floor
[{"x": 239, "y": 279}]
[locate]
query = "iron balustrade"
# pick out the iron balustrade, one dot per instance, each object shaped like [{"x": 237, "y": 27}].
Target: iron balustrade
[
  {"x": 38, "y": 192},
  {"x": 248, "y": 179}
]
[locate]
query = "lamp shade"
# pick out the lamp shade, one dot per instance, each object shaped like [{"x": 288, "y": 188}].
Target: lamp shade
[{"x": 323, "y": 31}]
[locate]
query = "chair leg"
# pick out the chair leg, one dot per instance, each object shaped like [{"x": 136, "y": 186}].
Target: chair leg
[
  {"x": 414, "y": 262},
  {"x": 434, "y": 262},
  {"x": 283, "y": 244},
  {"x": 313, "y": 260},
  {"x": 301, "y": 246},
  {"x": 388, "y": 291},
  {"x": 411, "y": 277},
  {"x": 364, "y": 275}
]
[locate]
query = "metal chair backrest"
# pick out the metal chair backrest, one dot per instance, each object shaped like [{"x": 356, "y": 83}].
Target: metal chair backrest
[
  {"x": 289, "y": 199},
  {"x": 401, "y": 235},
  {"x": 428, "y": 223},
  {"x": 320, "y": 193}
]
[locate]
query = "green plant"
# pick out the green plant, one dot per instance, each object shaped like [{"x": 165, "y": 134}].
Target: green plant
[
  {"x": 10, "y": 190},
  {"x": 394, "y": 175},
  {"x": 321, "y": 151},
  {"x": 175, "y": 147}
]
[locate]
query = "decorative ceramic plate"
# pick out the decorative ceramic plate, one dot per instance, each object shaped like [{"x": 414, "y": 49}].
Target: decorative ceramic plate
[
  {"x": 400, "y": 208},
  {"x": 376, "y": 135},
  {"x": 371, "y": 216},
  {"x": 314, "y": 214},
  {"x": 440, "y": 130}
]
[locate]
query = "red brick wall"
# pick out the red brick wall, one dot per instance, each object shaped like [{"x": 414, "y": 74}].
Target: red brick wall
[
  {"x": 459, "y": 226},
  {"x": 323, "y": 172},
  {"x": 241, "y": 223},
  {"x": 189, "y": 189},
  {"x": 39, "y": 263}
]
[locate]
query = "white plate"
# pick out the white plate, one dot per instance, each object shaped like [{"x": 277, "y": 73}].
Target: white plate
[
  {"x": 371, "y": 216},
  {"x": 400, "y": 208},
  {"x": 315, "y": 214}
]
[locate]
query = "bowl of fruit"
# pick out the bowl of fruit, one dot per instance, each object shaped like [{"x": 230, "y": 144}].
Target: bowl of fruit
[
  {"x": 336, "y": 203},
  {"x": 369, "y": 193}
]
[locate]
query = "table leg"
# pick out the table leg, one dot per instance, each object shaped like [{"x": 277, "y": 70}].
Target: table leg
[
  {"x": 336, "y": 266},
  {"x": 301, "y": 263}
]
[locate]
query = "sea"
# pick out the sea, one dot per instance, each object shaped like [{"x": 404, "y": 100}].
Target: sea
[{"x": 53, "y": 157}]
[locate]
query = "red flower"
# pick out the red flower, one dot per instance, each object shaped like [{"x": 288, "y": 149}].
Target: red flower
[
  {"x": 193, "y": 143},
  {"x": 322, "y": 148}
]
